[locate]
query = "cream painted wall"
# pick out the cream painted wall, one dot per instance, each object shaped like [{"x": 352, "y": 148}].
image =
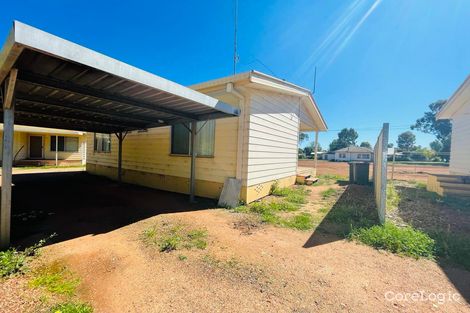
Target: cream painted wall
[{"x": 21, "y": 147}]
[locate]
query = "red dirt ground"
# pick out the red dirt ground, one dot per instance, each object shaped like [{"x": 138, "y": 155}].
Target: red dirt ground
[
  {"x": 402, "y": 171},
  {"x": 271, "y": 270}
]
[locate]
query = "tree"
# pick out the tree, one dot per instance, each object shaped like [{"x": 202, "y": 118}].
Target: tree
[
  {"x": 346, "y": 137},
  {"x": 436, "y": 146},
  {"x": 406, "y": 141},
  {"x": 442, "y": 129},
  {"x": 390, "y": 145},
  {"x": 303, "y": 137},
  {"x": 366, "y": 144},
  {"x": 310, "y": 149}
]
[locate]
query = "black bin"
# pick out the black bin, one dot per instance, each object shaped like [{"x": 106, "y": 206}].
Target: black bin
[{"x": 359, "y": 173}]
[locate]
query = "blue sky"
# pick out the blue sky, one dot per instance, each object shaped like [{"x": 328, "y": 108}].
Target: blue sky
[{"x": 377, "y": 61}]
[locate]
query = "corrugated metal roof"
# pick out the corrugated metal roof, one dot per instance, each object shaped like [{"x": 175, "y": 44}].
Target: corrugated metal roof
[
  {"x": 63, "y": 85},
  {"x": 355, "y": 149}
]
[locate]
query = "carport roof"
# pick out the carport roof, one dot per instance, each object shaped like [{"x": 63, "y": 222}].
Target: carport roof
[{"x": 63, "y": 85}]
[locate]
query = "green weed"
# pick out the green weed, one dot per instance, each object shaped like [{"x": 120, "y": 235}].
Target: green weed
[
  {"x": 72, "y": 307},
  {"x": 401, "y": 240},
  {"x": 13, "y": 261}
]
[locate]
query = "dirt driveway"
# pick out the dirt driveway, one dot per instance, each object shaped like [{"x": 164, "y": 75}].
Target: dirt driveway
[{"x": 100, "y": 224}]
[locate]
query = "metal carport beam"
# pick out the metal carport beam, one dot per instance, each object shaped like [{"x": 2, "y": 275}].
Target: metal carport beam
[{"x": 48, "y": 82}]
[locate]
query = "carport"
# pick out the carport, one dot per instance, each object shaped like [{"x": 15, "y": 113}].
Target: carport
[{"x": 50, "y": 82}]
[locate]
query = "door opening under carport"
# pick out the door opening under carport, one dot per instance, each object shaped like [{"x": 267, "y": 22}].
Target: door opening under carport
[{"x": 51, "y": 82}]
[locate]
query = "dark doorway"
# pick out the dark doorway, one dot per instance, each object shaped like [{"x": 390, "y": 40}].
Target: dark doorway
[{"x": 35, "y": 147}]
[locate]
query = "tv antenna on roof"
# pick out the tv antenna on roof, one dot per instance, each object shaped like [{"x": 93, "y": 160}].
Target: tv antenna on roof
[{"x": 235, "y": 21}]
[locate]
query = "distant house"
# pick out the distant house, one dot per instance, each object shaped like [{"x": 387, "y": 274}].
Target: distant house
[
  {"x": 457, "y": 109},
  {"x": 353, "y": 153},
  {"x": 42, "y": 146}
]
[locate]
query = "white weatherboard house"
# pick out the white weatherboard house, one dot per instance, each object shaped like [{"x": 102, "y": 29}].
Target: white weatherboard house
[
  {"x": 259, "y": 146},
  {"x": 457, "y": 110},
  {"x": 353, "y": 153}
]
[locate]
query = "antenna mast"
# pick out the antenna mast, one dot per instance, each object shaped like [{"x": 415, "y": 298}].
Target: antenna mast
[{"x": 235, "y": 21}]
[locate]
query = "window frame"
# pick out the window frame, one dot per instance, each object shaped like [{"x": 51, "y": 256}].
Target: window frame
[
  {"x": 62, "y": 141},
  {"x": 95, "y": 145},
  {"x": 171, "y": 153}
]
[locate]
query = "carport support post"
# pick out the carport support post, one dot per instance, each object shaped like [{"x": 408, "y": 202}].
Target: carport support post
[
  {"x": 7, "y": 161},
  {"x": 192, "y": 180},
  {"x": 56, "y": 150},
  {"x": 316, "y": 152},
  {"x": 120, "y": 140}
]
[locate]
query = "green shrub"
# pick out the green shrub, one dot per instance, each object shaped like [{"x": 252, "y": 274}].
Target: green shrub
[
  {"x": 401, "y": 240},
  {"x": 11, "y": 262},
  {"x": 72, "y": 307}
]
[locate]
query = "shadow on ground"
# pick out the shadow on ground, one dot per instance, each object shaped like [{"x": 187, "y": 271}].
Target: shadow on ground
[
  {"x": 447, "y": 221},
  {"x": 354, "y": 208},
  {"x": 77, "y": 204}
]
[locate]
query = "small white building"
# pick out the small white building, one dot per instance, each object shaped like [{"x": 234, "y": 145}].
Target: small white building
[
  {"x": 353, "y": 153},
  {"x": 457, "y": 109}
]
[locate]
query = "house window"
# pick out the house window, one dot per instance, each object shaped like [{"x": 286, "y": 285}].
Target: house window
[
  {"x": 181, "y": 138},
  {"x": 342, "y": 155},
  {"x": 67, "y": 144},
  {"x": 359, "y": 156},
  {"x": 102, "y": 142}
]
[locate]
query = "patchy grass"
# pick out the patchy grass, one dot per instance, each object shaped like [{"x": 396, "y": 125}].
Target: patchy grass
[
  {"x": 329, "y": 179},
  {"x": 328, "y": 193},
  {"x": 302, "y": 221},
  {"x": 393, "y": 198},
  {"x": 401, "y": 240},
  {"x": 454, "y": 248},
  {"x": 279, "y": 210},
  {"x": 168, "y": 237},
  {"x": 421, "y": 185},
  {"x": 55, "y": 278},
  {"x": 13, "y": 261},
  {"x": 72, "y": 307},
  {"x": 296, "y": 195},
  {"x": 237, "y": 270}
]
